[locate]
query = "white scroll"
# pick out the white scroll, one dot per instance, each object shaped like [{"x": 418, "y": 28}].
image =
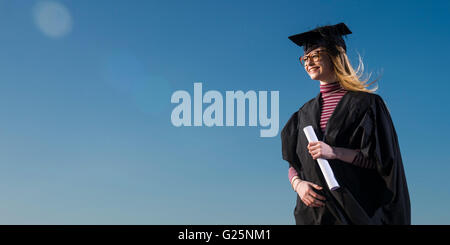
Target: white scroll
[{"x": 323, "y": 163}]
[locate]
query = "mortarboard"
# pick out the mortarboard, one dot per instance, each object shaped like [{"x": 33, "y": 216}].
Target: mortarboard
[{"x": 323, "y": 36}]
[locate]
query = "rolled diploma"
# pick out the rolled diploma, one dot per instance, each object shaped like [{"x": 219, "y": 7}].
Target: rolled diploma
[{"x": 323, "y": 163}]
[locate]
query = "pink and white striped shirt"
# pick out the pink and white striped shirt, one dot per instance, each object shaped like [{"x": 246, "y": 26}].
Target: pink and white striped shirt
[{"x": 331, "y": 95}]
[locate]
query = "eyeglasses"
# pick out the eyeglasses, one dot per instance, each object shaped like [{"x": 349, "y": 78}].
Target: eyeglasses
[{"x": 315, "y": 57}]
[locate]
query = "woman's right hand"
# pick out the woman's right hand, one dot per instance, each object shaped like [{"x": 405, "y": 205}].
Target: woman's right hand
[{"x": 306, "y": 192}]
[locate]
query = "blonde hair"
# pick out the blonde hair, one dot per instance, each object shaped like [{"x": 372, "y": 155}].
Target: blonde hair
[{"x": 348, "y": 78}]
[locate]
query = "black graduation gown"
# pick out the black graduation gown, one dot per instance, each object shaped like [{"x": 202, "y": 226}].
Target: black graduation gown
[{"x": 367, "y": 196}]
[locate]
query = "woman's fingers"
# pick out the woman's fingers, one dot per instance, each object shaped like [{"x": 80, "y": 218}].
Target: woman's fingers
[
  {"x": 317, "y": 186},
  {"x": 314, "y": 151},
  {"x": 313, "y": 146},
  {"x": 317, "y": 196},
  {"x": 311, "y": 198},
  {"x": 311, "y": 202},
  {"x": 320, "y": 149},
  {"x": 308, "y": 203},
  {"x": 316, "y": 155},
  {"x": 317, "y": 203}
]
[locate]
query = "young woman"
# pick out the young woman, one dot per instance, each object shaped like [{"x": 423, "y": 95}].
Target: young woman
[{"x": 356, "y": 135}]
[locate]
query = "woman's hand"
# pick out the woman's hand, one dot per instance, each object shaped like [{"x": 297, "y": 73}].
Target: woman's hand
[
  {"x": 310, "y": 198},
  {"x": 320, "y": 149}
]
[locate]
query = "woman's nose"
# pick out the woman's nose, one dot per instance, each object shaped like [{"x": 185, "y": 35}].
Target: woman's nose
[{"x": 309, "y": 62}]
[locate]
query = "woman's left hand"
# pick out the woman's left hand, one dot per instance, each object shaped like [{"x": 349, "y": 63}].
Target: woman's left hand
[{"x": 320, "y": 149}]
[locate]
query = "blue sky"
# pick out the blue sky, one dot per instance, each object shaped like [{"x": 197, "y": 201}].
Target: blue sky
[{"x": 85, "y": 131}]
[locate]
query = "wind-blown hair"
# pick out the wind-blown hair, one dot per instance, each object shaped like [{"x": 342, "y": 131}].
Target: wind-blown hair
[{"x": 348, "y": 78}]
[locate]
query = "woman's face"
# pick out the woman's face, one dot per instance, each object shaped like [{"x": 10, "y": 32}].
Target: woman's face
[{"x": 318, "y": 65}]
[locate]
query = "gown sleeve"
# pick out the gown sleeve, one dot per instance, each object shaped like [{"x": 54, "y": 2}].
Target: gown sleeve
[
  {"x": 379, "y": 142},
  {"x": 380, "y": 145},
  {"x": 289, "y": 136},
  {"x": 364, "y": 162}
]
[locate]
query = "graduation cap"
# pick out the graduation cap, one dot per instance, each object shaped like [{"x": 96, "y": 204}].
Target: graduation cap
[{"x": 323, "y": 36}]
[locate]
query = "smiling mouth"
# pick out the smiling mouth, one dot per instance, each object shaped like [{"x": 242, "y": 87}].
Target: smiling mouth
[{"x": 313, "y": 69}]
